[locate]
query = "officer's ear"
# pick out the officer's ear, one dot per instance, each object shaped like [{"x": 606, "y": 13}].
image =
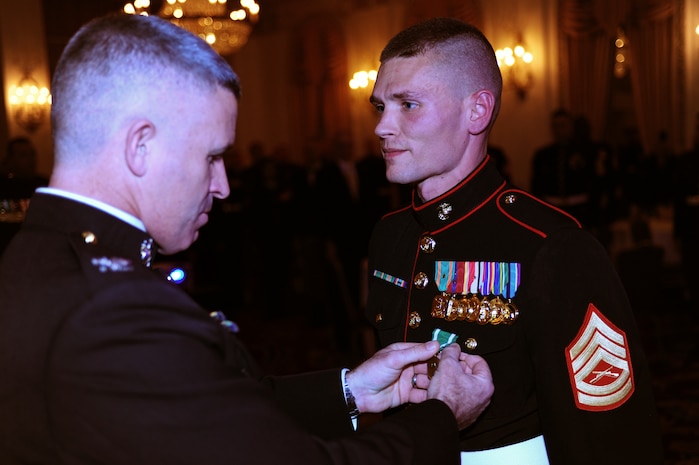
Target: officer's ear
[
  {"x": 480, "y": 111},
  {"x": 138, "y": 148}
]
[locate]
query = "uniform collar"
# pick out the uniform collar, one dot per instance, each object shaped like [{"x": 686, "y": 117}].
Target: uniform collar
[
  {"x": 95, "y": 203},
  {"x": 108, "y": 232},
  {"x": 460, "y": 201}
]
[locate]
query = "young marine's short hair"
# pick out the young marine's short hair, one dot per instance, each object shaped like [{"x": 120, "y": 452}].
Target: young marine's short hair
[{"x": 458, "y": 45}]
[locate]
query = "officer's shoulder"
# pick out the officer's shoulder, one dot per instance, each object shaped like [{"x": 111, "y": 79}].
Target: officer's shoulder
[
  {"x": 100, "y": 265},
  {"x": 532, "y": 213}
]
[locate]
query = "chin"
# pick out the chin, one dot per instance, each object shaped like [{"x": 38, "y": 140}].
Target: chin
[
  {"x": 397, "y": 179},
  {"x": 391, "y": 176}
]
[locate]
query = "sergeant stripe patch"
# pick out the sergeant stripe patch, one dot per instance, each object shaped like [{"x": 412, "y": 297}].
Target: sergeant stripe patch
[{"x": 599, "y": 364}]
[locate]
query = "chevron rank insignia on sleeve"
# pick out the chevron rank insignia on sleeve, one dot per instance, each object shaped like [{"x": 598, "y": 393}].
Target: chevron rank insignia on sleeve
[{"x": 599, "y": 364}]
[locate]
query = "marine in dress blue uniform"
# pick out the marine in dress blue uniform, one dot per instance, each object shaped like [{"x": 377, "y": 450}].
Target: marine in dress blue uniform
[
  {"x": 519, "y": 282},
  {"x": 105, "y": 361}
]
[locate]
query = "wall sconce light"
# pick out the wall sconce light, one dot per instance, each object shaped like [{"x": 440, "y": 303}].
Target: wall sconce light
[
  {"x": 515, "y": 65},
  {"x": 360, "y": 79},
  {"x": 30, "y": 103},
  {"x": 621, "y": 66}
]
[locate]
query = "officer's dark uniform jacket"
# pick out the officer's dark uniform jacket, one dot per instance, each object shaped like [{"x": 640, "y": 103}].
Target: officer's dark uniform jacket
[
  {"x": 104, "y": 361},
  {"x": 570, "y": 365}
]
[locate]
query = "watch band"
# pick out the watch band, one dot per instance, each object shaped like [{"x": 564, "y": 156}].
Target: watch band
[{"x": 349, "y": 397}]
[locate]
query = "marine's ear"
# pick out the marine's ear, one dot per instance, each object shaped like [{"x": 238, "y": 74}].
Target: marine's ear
[
  {"x": 482, "y": 105},
  {"x": 138, "y": 147}
]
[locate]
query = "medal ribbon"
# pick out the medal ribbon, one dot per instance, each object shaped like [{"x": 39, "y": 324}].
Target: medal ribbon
[
  {"x": 391, "y": 279},
  {"x": 486, "y": 278},
  {"x": 445, "y": 338}
]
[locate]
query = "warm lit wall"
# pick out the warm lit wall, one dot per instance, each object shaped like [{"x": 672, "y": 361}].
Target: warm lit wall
[
  {"x": 23, "y": 44},
  {"x": 267, "y": 111},
  {"x": 691, "y": 47},
  {"x": 523, "y": 124},
  {"x": 272, "y": 115},
  {"x": 271, "y": 106}
]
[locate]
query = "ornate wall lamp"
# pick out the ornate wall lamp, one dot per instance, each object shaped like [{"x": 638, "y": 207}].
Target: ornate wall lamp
[
  {"x": 515, "y": 64},
  {"x": 29, "y": 103},
  {"x": 621, "y": 64},
  {"x": 361, "y": 79}
]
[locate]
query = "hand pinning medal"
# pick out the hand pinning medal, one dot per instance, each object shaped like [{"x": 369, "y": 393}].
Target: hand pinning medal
[{"x": 445, "y": 338}]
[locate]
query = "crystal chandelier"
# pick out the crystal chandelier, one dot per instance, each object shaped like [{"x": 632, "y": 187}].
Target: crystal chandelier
[{"x": 222, "y": 24}]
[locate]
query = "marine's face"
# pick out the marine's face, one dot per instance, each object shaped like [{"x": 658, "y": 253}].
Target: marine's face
[
  {"x": 421, "y": 120},
  {"x": 189, "y": 171}
]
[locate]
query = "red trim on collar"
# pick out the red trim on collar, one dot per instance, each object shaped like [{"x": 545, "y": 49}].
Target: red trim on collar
[
  {"x": 474, "y": 210},
  {"x": 468, "y": 178},
  {"x": 525, "y": 225}
]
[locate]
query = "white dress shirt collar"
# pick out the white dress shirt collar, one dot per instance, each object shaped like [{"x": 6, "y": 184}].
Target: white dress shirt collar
[{"x": 122, "y": 215}]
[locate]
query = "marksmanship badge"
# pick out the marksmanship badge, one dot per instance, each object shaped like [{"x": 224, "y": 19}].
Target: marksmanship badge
[{"x": 599, "y": 364}]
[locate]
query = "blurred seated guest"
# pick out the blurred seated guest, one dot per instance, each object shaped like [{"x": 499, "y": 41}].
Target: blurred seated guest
[
  {"x": 18, "y": 180},
  {"x": 18, "y": 174}
]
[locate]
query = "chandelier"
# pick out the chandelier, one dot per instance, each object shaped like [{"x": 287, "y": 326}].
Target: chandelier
[{"x": 225, "y": 26}]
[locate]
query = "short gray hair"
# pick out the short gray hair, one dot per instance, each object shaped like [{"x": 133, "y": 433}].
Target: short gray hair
[{"x": 115, "y": 53}]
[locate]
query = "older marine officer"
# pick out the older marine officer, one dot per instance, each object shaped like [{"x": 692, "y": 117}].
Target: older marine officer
[{"x": 104, "y": 361}]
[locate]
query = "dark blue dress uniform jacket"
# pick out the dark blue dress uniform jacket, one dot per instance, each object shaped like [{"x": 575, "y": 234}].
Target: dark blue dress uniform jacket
[
  {"x": 105, "y": 362},
  {"x": 566, "y": 282}
]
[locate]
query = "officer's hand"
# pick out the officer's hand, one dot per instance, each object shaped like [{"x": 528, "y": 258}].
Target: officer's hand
[
  {"x": 463, "y": 382},
  {"x": 385, "y": 380}
]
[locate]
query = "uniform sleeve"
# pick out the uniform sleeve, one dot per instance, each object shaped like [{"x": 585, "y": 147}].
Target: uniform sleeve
[
  {"x": 137, "y": 376},
  {"x": 592, "y": 380},
  {"x": 300, "y": 395}
]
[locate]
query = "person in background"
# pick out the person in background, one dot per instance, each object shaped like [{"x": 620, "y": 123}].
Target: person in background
[
  {"x": 626, "y": 170},
  {"x": 685, "y": 201},
  {"x": 105, "y": 361},
  {"x": 18, "y": 172},
  {"x": 18, "y": 181},
  {"x": 563, "y": 171},
  {"x": 336, "y": 194},
  {"x": 480, "y": 262},
  {"x": 501, "y": 161}
]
